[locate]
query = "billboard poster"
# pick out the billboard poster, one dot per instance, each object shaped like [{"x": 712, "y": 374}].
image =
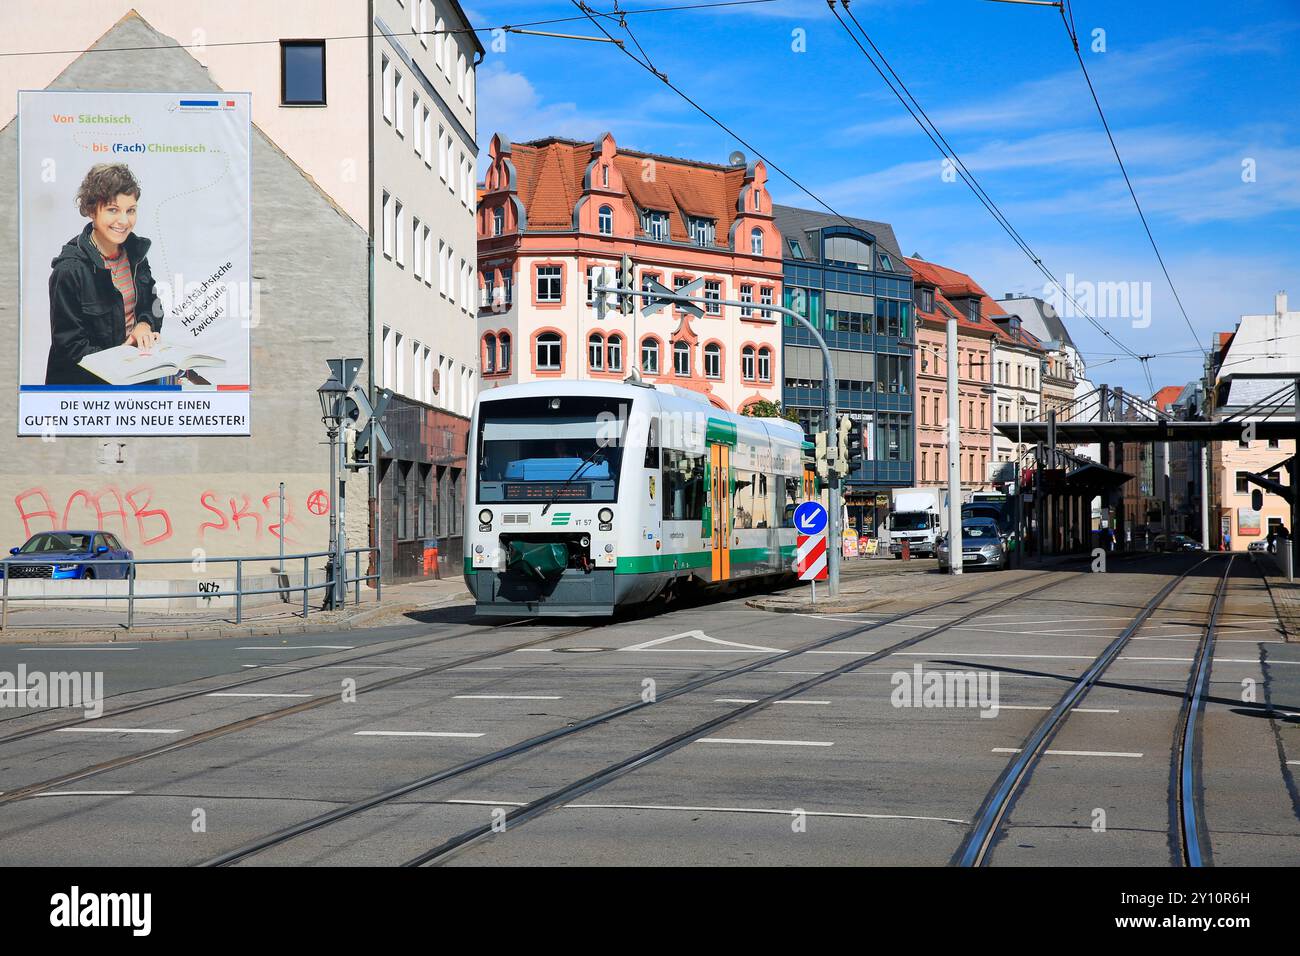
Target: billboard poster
[
  {"x": 1247, "y": 522},
  {"x": 135, "y": 301}
]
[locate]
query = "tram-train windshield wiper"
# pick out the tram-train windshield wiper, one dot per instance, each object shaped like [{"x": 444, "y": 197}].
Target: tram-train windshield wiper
[{"x": 591, "y": 459}]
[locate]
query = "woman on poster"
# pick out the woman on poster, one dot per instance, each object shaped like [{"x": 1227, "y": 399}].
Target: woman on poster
[{"x": 102, "y": 291}]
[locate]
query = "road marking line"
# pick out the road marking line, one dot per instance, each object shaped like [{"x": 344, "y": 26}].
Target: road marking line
[
  {"x": 1294, "y": 762},
  {"x": 411, "y": 733},
  {"x": 698, "y": 636},
  {"x": 225, "y": 694},
  {"x": 504, "y": 697},
  {"x": 114, "y": 730},
  {"x": 300, "y": 647},
  {"x": 1071, "y": 753},
  {"x": 84, "y": 793},
  {"x": 774, "y": 743},
  {"x": 764, "y": 810},
  {"x": 747, "y": 700}
]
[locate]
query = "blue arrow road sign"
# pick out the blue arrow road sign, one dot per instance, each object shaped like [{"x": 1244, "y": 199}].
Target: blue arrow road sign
[{"x": 810, "y": 518}]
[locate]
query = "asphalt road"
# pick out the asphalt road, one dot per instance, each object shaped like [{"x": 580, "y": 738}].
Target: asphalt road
[{"x": 844, "y": 772}]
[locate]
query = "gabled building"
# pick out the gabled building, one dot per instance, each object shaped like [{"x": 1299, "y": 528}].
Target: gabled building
[
  {"x": 849, "y": 279},
  {"x": 941, "y": 293},
  {"x": 556, "y": 212}
]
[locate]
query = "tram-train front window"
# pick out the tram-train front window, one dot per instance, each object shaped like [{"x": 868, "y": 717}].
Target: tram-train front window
[{"x": 550, "y": 448}]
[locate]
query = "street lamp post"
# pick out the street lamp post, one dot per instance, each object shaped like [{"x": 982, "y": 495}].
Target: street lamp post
[
  {"x": 954, "y": 452},
  {"x": 331, "y": 396}
]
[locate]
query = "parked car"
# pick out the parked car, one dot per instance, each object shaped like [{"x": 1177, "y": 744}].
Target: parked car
[
  {"x": 983, "y": 545},
  {"x": 1257, "y": 546},
  {"x": 1176, "y": 542},
  {"x": 66, "y": 555}
]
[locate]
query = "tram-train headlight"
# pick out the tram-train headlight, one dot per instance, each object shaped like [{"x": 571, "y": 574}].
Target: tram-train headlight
[
  {"x": 606, "y": 515},
  {"x": 485, "y": 516}
]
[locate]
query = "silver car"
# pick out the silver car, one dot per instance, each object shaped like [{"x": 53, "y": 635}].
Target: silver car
[{"x": 982, "y": 546}]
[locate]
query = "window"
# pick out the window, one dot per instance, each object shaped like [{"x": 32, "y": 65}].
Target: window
[
  {"x": 681, "y": 358},
  {"x": 442, "y": 267},
  {"x": 504, "y": 364},
  {"x": 756, "y": 240},
  {"x": 399, "y": 256},
  {"x": 400, "y": 84},
  {"x": 302, "y": 73},
  {"x": 548, "y": 284},
  {"x": 849, "y": 251},
  {"x": 416, "y": 247},
  {"x": 925, "y": 300},
  {"x": 460, "y": 76},
  {"x": 438, "y": 43},
  {"x": 593, "y": 279},
  {"x": 1273, "y": 443},
  {"x": 712, "y": 361},
  {"x": 614, "y": 353},
  {"x": 386, "y": 85},
  {"x": 683, "y": 486},
  {"x": 885, "y": 264},
  {"x": 795, "y": 249},
  {"x": 747, "y": 363},
  {"x": 604, "y": 174},
  {"x": 388, "y": 225},
  {"x": 712, "y": 293},
  {"x": 507, "y": 288},
  {"x": 498, "y": 220},
  {"x": 417, "y": 126},
  {"x": 427, "y": 135},
  {"x": 650, "y": 356},
  {"x": 442, "y": 152},
  {"x": 765, "y": 298},
  {"x": 596, "y": 352},
  {"x": 973, "y": 309},
  {"x": 489, "y": 290},
  {"x": 702, "y": 231},
  {"x": 1243, "y": 483},
  {"x": 606, "y": 221},
  {"x": 746, "y": 295},
  {"x": 765, "y": 365},
  {"x": 655, "y": 224},
  {"x": 548, "y": 351}
]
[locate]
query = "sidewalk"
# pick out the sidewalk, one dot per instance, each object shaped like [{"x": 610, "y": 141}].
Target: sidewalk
[
  {"x": 866, "y": 583},
  {"x": 1285, "y": 594},
  {"x": 400, "y": 600}
]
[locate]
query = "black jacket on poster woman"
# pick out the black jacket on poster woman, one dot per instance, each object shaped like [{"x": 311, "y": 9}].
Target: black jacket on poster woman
[{"x": 86, "y": 310}]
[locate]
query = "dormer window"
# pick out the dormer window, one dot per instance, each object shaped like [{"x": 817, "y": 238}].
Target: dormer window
[
  {"x": 795, "y": 249},
  {"x": 702, "y": 231},
  {"x": 973, "y": 308},
  {"x": 756, "y": 241},
  {"x": 925, "y": 299},
  {"x": 655, "y": 224},
  {"x": 605, "y": 220},
  {"x": 885, "y": 264},
  {"x": 604, "y": 175},
  {"x": 849, "y": 251},
  {"x": 498, "y": 220}
]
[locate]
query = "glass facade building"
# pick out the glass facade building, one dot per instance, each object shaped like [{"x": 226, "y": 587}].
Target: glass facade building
[{"x": 851, "y": 283}]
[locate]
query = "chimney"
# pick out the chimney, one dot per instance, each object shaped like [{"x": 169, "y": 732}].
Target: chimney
[{"x": 1280, "y": 302}]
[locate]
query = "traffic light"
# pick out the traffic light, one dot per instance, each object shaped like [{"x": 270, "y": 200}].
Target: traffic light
[
  {"x": 842, "y": 465},
  {"x": 822, "y": 463},
  {"x": 857, "y": 443},
  {"x": 626, "y": 280},
  {"x": 600, "y": 299}
]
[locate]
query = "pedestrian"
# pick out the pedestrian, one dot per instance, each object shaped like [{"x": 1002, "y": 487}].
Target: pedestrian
[{"x": 1272, "y": 539}]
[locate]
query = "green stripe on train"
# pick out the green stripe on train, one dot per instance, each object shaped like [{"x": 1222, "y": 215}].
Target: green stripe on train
[{"x": 648, "y": 563}]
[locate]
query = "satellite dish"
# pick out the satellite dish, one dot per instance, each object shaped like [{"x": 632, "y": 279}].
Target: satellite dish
[{"x": 737, "y": 158}]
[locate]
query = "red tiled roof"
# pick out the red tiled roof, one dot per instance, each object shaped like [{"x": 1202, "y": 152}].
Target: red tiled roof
[
  {"x": 1166, "y": 396},
  {"x": 950, "y": 284},
  {"x": 550, "y": 173}
]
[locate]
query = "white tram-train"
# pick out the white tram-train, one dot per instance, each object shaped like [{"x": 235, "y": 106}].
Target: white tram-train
[{"x": 588, "y": 496}]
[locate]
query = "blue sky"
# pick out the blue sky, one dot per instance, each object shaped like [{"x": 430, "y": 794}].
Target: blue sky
[{"x": 1198, "y": 96}]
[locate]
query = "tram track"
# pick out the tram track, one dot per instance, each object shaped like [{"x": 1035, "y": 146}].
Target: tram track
[
  {"x": 558, "y": 797},
  {"x": 1187, "y": 818}
]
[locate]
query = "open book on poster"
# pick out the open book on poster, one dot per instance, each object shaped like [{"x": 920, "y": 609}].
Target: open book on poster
[{"x": 128, "y": 365}]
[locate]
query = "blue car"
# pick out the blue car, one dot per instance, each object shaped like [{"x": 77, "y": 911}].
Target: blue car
[{"x": 67, "y": 555}]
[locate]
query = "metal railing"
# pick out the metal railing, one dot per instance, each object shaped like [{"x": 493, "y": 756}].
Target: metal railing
[{"x": 279, "y": 569}]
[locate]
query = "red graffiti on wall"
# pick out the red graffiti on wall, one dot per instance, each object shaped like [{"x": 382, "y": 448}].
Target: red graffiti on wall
[
  {"x": 237, "y": 513},
  {"x": 152, "y": 525},
  {"x": 133, "y": 515}
]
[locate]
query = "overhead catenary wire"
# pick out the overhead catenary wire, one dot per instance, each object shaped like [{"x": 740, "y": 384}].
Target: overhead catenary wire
[
  {"x": 1067, "y": 18},
  {"x": 506, "y": 27},
  {"x": 940, "y": 142}
]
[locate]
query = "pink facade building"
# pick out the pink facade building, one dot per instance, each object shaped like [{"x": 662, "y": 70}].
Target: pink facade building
[{"x": 553, "y": 213}]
